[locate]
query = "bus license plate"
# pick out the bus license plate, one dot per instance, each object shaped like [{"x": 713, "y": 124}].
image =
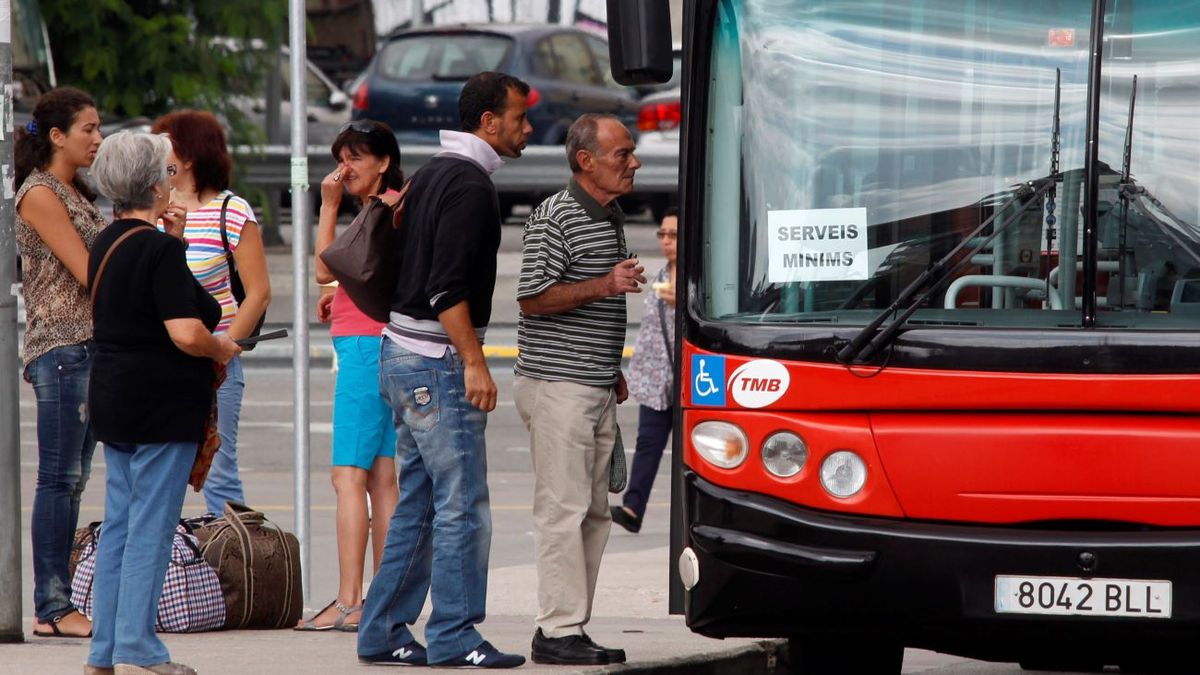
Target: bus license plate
[{"x": 1083, "y": 597}]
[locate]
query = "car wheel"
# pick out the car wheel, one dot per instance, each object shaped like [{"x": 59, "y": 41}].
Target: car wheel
[{"x": 822, "y": 655}]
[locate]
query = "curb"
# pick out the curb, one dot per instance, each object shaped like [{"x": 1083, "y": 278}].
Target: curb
[{"x": 767, "y": 657}]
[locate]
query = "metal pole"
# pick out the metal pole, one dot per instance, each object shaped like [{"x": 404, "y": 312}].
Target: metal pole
[
  {"x": 10, "y": 436},
  {"x": 417, "y": 16},
  {"x": 271, "y": 235},
  {"x": 300, "y": 209}
]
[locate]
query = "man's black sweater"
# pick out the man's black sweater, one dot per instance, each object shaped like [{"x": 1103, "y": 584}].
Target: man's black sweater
[{"x": 449, "y": 239}]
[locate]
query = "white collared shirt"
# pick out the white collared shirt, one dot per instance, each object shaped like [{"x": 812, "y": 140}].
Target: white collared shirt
[{"x": 471, "y": 147}]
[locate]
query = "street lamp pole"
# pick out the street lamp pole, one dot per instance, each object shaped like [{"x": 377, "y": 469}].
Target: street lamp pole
[
  {"x": 300, "y": 216},
  {"x": 10, "y": 435}
]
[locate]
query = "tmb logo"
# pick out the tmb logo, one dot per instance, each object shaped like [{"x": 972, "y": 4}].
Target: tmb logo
[{"x": 758, "y": 384}]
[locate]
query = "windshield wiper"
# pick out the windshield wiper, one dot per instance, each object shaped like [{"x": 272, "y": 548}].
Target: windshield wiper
[{"x": 867, "y": 342}]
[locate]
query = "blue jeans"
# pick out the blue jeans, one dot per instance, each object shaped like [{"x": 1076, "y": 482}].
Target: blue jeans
[
  {"x": 441, "y": 531},
  {"x": 654, "y": 428},
  {"x": 143, "y": 497},
  {"x": 65, "y": 448},
  {"x": 223, "y": 483}
]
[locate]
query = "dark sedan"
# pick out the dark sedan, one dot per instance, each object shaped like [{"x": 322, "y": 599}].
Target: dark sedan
[{"x": 414, "y": 80}]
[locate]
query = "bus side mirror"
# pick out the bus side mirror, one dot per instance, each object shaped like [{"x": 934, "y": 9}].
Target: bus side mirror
[{"x": 639, "y": 41}]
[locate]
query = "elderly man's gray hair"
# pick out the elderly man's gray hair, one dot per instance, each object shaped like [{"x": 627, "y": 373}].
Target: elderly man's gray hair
[
  {"x": 128, "y": 166},
  {"x": 583, "y": 136}
]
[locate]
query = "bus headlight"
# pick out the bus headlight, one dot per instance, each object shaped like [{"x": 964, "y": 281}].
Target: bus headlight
[
  {"x": 720, "y": 443},
  {"x": 784, "y": 454},
  {"x": 843, "y": 473}
]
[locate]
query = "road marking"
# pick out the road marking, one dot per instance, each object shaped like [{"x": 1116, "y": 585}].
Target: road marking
[{"x": 508, "y": 352}]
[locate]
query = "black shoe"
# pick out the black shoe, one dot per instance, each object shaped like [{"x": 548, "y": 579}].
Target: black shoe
[
  {"x": 614, "y": 655},
  {"x": 577, "y": 650},
  {"x": 621, "y": 517},
  {"x": 411, "y": 654},
  {"x": 483, "y": 656}
]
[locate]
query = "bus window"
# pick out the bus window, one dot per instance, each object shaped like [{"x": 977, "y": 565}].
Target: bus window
[
  {"x": 1149, "y": 229},
  {"x": 856, "y": 143}
]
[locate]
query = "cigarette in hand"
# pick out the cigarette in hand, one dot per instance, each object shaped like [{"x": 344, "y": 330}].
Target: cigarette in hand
[{"x": 337, "y": 175}]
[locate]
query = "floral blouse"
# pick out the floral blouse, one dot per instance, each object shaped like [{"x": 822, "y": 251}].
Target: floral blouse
[
  {"x": 650, "y": 368},
  {"x": 57, "y": 307}
]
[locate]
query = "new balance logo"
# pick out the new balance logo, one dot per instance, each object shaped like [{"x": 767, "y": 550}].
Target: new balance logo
[
  {"x": 475, "y": 657},
  {"x": 402, "y": 653}
]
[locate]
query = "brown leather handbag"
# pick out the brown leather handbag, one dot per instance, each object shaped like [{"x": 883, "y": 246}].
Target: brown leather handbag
[{"x": 365, "y": 258}]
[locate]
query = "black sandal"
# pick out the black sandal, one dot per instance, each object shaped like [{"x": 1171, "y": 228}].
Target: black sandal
[{"x": 56, "y": 633}]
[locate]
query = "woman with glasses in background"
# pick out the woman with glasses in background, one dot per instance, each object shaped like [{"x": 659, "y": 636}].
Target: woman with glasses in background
[
  {"x": 650, "y": 378},
  {"x": 199, "y": 167},
  {"x": 364, "y": 437}
]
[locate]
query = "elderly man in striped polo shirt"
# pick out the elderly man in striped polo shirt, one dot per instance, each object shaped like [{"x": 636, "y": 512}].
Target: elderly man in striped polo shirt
[{"x": 575, "y": 272}]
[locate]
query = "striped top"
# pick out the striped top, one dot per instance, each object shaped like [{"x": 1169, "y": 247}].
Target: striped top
[
  {"x": 206, "y": 254},
  {"x": 570, "y": 238}
]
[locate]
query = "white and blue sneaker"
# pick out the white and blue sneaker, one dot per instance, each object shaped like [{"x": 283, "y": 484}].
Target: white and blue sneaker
[
  {"x": 483, "y": 656},
  {"x": 411, "y": 654}
]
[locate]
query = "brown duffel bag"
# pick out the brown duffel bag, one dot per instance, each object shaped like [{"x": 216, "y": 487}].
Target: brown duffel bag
[{"x": 259, "y": 567}]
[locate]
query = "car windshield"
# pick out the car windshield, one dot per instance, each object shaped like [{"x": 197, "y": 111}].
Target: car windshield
[
  {"x": 442, "y": 56},
  {"x": 882, "y": 134}
]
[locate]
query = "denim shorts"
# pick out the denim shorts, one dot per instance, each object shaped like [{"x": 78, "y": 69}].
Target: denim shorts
[{"x": 362, "y": 420}]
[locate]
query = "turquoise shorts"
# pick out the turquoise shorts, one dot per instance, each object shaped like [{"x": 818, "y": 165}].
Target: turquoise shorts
[{"x": 362, "y": 421}]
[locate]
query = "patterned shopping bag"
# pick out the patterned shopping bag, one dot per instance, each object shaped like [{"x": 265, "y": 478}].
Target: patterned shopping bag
[{"x": 191, "y": 596}]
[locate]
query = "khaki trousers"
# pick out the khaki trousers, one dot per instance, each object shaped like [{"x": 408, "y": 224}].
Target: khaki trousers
[{"x": 572, "y": 431}]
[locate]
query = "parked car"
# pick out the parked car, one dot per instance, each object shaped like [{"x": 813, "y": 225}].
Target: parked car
[
  {"x": 327, "y": 106},
  {"x": 327, "y": 110},
  {"x": 659, "y": 116},
  {"x": 414, "y": 79}
]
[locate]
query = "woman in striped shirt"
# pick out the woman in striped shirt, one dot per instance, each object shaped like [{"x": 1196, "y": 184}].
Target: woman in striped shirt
[{"x": 200, "y": 167}]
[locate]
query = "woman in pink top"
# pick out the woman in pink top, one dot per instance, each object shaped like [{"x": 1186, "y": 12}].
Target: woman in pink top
[{"x": 364, "y": 438}]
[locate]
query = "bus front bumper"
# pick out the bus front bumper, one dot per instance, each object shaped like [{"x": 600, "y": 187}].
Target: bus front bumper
[{"x": 768, "y": 568}]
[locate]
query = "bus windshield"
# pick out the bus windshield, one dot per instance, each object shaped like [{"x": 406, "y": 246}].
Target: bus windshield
[{"x": 850, "y": 144}]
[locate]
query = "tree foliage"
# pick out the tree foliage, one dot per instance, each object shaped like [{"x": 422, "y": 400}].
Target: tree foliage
[{"x": 145, "y": 57}]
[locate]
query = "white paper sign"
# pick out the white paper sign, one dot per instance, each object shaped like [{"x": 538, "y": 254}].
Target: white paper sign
[
  {"x": 817, "y": 245},
  {"x": 300, "y": 172}
]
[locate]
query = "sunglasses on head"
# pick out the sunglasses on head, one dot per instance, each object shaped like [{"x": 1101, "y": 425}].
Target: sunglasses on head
[{"x": 361, "y": 126}]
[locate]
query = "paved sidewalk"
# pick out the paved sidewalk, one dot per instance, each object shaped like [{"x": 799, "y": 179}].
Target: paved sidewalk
[{"x": 630, "y": 613}]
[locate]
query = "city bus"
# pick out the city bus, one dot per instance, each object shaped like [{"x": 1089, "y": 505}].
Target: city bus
[{"x": 938, "y": 360}]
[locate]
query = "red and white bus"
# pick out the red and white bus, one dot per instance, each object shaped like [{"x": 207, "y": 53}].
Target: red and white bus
[{"x": 939, "y": 319}]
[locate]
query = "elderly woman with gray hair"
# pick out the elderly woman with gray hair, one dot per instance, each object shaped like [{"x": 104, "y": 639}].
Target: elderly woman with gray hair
[{"x": 150, "y": 394}]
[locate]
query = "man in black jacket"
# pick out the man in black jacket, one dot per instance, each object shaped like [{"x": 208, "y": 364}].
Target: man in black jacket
[{"x": 433, "y": 373}]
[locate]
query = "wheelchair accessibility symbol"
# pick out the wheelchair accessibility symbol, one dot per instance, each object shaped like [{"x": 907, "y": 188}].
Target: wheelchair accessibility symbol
[{"x": 708, "y": 380}]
